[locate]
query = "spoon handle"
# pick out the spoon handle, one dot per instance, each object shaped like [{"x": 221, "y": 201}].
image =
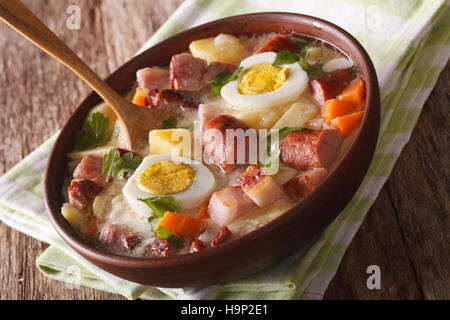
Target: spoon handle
[{"x": 20, "y": 18}]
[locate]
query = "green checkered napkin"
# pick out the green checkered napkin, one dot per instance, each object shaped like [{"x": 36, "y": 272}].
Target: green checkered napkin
[{"x": 408, "y": 41}]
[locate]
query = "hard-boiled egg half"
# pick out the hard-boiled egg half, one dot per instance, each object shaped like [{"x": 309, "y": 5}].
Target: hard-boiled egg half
[
  {"x": 188, "y": 181},
  {"x": 263, "y": 85}
]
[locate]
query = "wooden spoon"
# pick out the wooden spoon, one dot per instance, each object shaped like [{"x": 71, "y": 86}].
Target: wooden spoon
[{"x": 136, "y": 121}]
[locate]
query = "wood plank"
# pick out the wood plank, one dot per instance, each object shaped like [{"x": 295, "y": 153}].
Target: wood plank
[
  {"x": 406, "y": 230},
  {"x": 420, "y": 187},
  {"x": 378, "y": 242},
  {"x": 39, "y": 97}
]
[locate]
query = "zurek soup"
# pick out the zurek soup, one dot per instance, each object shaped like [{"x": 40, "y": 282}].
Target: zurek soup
[{"x": 259, "y": 122}]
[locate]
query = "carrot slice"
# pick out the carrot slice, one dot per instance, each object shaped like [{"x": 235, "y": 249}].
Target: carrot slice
[
  {"x": 331, "y": 85},
  {"x": 203, "y": 212},
  {"x": 354, "y": 94},
  {"x": 346, "y": 124},
  {"x": 334, "y": 108},
  {"x": 181, "y": 225},
  {"x": 140, "y": 97}
]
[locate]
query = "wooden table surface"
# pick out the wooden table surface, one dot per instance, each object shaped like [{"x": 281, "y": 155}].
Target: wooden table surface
[{"x": 406, "y": 232}]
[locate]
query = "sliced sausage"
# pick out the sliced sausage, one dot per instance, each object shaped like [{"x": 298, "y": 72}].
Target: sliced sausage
[
  {"x": 129, "y": 240},
  {"x": 90, "y": 168},
  {"x": 83, "y": 192},
  {"x": 168, "y": 100},
  {"x": 331, "y": 85},
  {"x": 216, "y": 146},
  {"x": 196, "y": 246},
  {"x": 118, "y": 237},
  {"x": 109, "y": 235},
  {"x": 310, "y": 149},
  {"x": 260, "y": 188},
  {"x": 304, "y": 183},
  {"x": 159, "y": 248},
  {"x": 228, "y": 204},
  {"x": 153, "y": 78},
  {"x": 277, "y": 44},
  {"x": 222, "y": 236}
]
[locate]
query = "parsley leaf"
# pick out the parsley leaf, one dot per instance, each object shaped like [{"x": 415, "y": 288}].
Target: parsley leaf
[
  {"x": 300, "y": 47},
  {"x": 190, "y": 128},
  {"x": 273, "y": 155},
  {"x": 116, "y": 166},
  {"x": 223, "y": 78},
  {"x": 284, "y": 57},
  {"x": 314, "y": 71},
  {"x": 153, "y": 220},
  {"x": 167, "y": 234},
  {"x": 160, "y": 205},
  {"x": 94, "y": 132},
  {"x": 283, "y": 132},
  {"x": 170, "y": 123}
]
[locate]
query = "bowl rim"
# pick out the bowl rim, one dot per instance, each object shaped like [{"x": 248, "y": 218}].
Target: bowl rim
[{"x": 371, "y": 108}]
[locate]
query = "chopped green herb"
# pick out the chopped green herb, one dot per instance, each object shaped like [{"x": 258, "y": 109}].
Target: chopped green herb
[
  {"x": 116, "y": 166},
  {"x": 96, "y": 237},
  {"x": 300, "y": 46},
  {"x": 223, "y": 78},
  {"x": 94, "y": 132},
  {"x": 150, "y": 219},
  {"x": 271, "y": 157},
  {"x": 190, "y": 128},
  {"x": 161, "y": 205},
  {"x": 282, "y": 133},
  {"x": 284, "y": 57},
  {"x": 170, "y": 123},
  {"x": 314, "y": 71},
  {"x": 167, "y": 234},
  {"x": 153, "y": 220}
]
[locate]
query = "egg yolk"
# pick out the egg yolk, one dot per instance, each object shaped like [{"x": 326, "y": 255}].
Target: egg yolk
[
  {"x": 166, "y": 177},
  {"x": 262, "y": 78}
]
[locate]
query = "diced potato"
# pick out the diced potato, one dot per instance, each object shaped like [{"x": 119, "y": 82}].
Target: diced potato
[
  {"x": 223, "y": 48},
  {"x": 316, "y": 123},
  {"x": 101, "y": 204},
  {"x": 258, "y": 119},
  {"x": 320, "y": 54},
  {"x": 177, "y": 142},
  {"x": 74, "y": 216},
  {"x": 284, "y": 174},
  {"x": 298, "y": 114},
  {"x": 97, "y": 152}
]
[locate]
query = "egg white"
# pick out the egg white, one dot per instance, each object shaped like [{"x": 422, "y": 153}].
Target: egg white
[
  {"x": 287, "y": 93},
  {"x": 193, "y": 196}
]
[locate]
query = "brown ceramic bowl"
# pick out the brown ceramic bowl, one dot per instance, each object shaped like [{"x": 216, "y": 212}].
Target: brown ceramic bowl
[{"x": 268, "y": 244}]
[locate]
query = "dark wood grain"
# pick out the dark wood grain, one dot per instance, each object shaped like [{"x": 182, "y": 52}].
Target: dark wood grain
[{"x": 405, "y": 232}]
